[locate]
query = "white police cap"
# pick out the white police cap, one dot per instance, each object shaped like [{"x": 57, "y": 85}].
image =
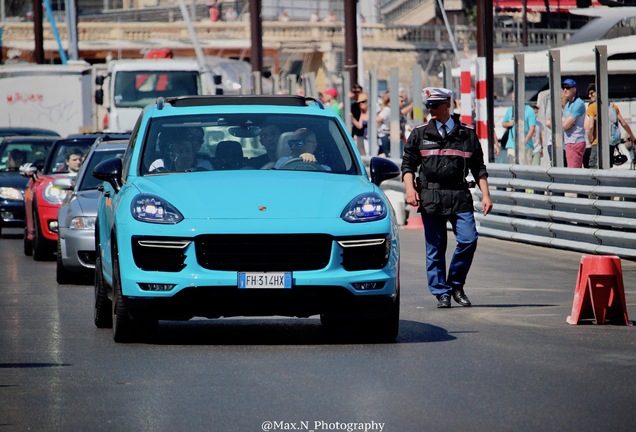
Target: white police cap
[{"x": 436, "y": 94}]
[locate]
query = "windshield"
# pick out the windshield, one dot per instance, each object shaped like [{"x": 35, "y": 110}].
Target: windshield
[
  {"x": 15, "y": 154},
  {"x": 90, "y": 182},
  {"x": 136, "y": 89},
  {"x": 68, "y": 157},
  {"x": 247, "y": 141}
]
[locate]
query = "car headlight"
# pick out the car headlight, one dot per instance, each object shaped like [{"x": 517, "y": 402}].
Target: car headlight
[
  {"x": 83, "y": 223},
  {"x": 54, "y": 194},
  {"x": 365, "y": 208},
  {"x": 11, "y": 193},
  {"x": 151, "y": 208}
]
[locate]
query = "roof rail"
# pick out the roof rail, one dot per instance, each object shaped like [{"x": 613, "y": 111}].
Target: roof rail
[{"x": 280, "y": 100}]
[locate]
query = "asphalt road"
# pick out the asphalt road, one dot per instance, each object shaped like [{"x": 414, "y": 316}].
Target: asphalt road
[{"x": 510, "y": 363}]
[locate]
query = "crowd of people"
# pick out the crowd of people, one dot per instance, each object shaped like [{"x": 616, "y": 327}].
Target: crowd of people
[
  {"x": 360, "y": 117},
  {"x": 579, "y": 126}
]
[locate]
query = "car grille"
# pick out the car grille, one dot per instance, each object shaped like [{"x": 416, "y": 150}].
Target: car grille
[
  {"x": 261, "y": 252},
  {"x": 269, "y": 252}
]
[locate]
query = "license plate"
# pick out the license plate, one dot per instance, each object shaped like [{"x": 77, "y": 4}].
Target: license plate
[{"x": 265, "y": 280}]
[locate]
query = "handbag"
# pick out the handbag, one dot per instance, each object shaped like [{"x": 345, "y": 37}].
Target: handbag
[
  {"x": 504, "y": 138},
  {"x": 618, "y": 158}
]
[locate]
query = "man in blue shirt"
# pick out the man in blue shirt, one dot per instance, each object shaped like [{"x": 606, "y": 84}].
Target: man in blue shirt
[
  {"x": 529, "y": 122},
  {"x": 573, "y": 122}
]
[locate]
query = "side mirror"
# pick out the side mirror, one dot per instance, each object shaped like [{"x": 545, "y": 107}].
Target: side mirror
[
  {"x": 99, "y": 80},
  {"x": 64, "y": 183},
  {"x": 110, "y": 172},
  {"x": 218, "y": 80},
  {"x": 99, "y": 96},
  {"x": 383, "y": 169}
]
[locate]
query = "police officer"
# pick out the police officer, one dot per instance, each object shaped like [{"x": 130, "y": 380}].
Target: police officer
[{"x": 437, "y": 158}]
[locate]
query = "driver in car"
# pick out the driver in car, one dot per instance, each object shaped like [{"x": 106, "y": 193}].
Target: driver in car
[{"x": 302, "y": 145}]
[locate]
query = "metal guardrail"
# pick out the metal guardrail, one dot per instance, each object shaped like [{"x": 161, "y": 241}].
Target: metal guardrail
[{"x": 591, "y": 211}]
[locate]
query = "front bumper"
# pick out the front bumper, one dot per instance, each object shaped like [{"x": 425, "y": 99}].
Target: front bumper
[
  {"x": 47, "y": 215},
  {"x": 78, "y": 249},
  {"x": 197, "y": 287},
  {"x": 12, "y": 213}
]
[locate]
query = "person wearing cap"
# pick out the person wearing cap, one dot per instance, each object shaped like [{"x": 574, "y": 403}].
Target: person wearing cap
[
  {"x": 573, "y": 121},
  {"x": 437, "y": 158},
  {"x": 331, "y": 99}
]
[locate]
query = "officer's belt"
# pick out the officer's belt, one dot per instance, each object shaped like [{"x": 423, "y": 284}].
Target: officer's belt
[{"x": 446, "y": 186}]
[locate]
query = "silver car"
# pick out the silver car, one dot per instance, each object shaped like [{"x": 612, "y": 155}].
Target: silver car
[{"x": 76, "y": 216}]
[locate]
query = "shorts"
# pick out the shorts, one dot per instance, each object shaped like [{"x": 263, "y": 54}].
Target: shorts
[{"x": 574, "y": 154}]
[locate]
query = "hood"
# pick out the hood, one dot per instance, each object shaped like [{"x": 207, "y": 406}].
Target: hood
[
  {"x": 253, "y": 194},
  {"x": 13, "y": 179},
  {"x": 87, "y": 201}
]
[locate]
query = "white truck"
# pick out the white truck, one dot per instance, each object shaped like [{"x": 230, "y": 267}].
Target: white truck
[
  {"x": 57, "y": 97},
  {"x": 130, "y": 85}
]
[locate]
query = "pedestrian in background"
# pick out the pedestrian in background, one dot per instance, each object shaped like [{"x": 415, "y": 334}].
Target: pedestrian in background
[
  {"x": 383, "y": 120},
  {"x": 356, "y": 132},
  {"x": 437, "y": 158},
  {"x": 537, "y": 139},
  {"x": 529, "y": 125},
  {"x": 573, "y": 125},
  {"x": 361, "y": 123},
  {"x": 331, "y": 99},
  {"x": 615, "y": 119}
]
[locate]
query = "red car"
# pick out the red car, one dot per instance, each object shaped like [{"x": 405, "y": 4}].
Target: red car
[{"x": 42, "y": 199}]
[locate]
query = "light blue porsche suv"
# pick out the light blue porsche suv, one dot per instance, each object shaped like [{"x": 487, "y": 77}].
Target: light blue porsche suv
[{"x": 244, "y": 206}]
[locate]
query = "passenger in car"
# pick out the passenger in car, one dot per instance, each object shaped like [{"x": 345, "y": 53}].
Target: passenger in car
[
  {"x": 270, "y": 134},
  {"x": 302, "y": 145},
  {"x": 73, "y": 162},
  {"x": 172, "y": 146},
  {"x": 16, "y": 158}
]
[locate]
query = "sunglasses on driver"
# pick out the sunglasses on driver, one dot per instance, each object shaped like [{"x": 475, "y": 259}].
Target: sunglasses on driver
[{"x": 299, "y": 142}]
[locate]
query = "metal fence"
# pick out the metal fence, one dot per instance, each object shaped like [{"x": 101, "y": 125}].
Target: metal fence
[{"x": 592, "y": 211}]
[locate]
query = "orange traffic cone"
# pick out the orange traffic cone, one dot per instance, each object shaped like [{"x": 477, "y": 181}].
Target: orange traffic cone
[{"x": 599, "y": 294}]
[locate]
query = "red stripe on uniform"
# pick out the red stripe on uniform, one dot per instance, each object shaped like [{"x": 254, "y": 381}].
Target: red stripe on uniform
[{"x": 445, "y": 152}]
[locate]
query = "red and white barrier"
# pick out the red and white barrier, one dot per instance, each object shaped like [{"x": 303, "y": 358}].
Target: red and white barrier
[
  {"x": 481, "y": 107},
  {"x": 465, "y": 88}
]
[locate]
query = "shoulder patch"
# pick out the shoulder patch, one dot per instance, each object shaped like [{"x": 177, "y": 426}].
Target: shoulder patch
[
  {"x": 468, "y": 126},
  {"x": 421, "y": 126}
]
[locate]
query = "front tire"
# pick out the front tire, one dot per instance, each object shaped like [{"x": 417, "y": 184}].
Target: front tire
[
  {"x": 62, "y": 274},
  {"x": 103, "y": 306},
  {"x": 125, "y": 327},
  {"x": 41, "y": 249},
  {"x": 28, "y": 244}
]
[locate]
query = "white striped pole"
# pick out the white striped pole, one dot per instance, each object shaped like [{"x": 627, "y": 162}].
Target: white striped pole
[
  {"x": 481, "y": 108},
  {"x": 465, "y": 88}
]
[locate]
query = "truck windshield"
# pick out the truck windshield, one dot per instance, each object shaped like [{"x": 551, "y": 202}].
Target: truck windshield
[{"x": 136, "y": 89}]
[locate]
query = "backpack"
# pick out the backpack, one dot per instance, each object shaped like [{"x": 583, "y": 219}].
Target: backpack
[{"x": 615, "y": 133}]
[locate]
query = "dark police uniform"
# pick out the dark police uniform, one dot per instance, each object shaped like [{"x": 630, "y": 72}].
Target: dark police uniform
[{"x": 440, "y": 166}]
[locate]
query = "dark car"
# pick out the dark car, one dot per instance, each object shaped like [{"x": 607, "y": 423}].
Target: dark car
[
  {"x": 42, "y": 198},
  {"x": 26, "y": 131},
  {"x": 16, "y": 151}
]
